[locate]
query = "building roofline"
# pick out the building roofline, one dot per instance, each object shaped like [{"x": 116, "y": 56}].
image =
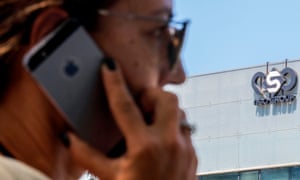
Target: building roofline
[
  {"x": 254, "y": 168},
  {"x": 239, "y": 69}
]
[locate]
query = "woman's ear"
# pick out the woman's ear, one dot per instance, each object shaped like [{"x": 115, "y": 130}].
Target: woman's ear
[{"x": 46, "y": 22}]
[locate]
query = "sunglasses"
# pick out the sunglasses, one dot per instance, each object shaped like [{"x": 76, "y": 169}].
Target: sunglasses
[{"x": 175, "y": 29}]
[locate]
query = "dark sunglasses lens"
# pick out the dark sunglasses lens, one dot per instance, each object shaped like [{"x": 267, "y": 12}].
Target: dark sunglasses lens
[
  {"x": 174, "y": 47},
  {"x": 172, "y": 54}
]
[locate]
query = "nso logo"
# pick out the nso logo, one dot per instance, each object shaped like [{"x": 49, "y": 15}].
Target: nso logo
[{"x": 275, "y": 87}]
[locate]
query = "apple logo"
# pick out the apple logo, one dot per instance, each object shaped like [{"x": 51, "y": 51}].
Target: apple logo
[{"x": 71, "y": 68}]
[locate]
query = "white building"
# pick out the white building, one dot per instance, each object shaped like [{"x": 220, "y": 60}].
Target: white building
[{"x": 241, "y": 133}]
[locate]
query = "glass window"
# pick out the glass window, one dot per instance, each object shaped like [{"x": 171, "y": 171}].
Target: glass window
[
  {"x": 288, "y": 173},
  {"x": 231, "y": 176},
  {"x": 252, "y": 175},
  {"x": 295, "y": 173},
  {"x": 275, "y": 174}
]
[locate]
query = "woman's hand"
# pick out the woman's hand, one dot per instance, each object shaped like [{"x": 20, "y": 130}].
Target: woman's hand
[{"x": 160, "y": 151}]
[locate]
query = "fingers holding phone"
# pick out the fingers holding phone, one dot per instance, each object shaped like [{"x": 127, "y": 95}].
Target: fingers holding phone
[
  {"x": 124, "y": 110},
  {"x": 155, "y": 151}
]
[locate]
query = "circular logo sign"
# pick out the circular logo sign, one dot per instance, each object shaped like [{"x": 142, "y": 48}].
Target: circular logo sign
[{"x": 271, "y": 84}]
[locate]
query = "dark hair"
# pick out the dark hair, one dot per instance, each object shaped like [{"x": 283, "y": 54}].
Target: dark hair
[
  {"x": 17, "y": 16},
  {"x": 85, "y": 11}
]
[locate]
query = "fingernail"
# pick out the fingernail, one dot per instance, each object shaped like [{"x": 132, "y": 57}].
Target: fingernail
[
  {"x": 65, "y": 139},
  {"x": 109, "y": 62}
]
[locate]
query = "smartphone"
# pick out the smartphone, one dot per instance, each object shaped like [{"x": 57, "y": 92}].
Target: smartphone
[{"x": 66, "y": 65}]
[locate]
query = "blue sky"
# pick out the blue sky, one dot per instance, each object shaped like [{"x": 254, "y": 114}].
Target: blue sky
[{"x": 232, "y": 34}]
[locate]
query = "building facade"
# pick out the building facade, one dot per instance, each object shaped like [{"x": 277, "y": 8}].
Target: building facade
[{"x": 247, "y": 122}]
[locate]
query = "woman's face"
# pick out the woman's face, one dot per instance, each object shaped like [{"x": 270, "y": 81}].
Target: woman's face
[{"x": 139, "y": 46}]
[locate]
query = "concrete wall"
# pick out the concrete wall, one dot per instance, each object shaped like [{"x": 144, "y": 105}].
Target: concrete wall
[{"x": 232, "y": 133}]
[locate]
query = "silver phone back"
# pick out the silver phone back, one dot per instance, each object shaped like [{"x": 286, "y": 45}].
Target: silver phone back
[{"x": 70, "y": 77}]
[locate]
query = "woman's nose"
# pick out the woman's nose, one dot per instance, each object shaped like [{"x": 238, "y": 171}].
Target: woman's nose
[{"x": 176, "y": 74}]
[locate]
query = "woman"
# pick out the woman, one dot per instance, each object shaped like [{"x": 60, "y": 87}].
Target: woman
[{"x": 143, "y": 53}]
